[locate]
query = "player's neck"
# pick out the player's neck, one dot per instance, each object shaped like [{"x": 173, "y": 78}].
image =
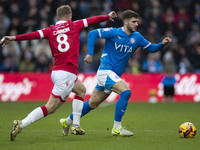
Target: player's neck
[
  {"x": 126, "y": 30},
  {"x": 63, "y": 20}
]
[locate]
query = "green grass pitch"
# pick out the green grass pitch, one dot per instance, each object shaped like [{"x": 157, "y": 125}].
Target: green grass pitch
[{"x": 155, "y": 127}]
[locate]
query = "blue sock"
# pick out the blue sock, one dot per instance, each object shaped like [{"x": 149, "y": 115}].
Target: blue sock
[
  {"x": 121, "y": 105},
  {"x": 86, "y": 109}
]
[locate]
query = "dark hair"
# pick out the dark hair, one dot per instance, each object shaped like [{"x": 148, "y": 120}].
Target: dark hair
[
  {"x": 63, "y": 11},
  {"x": 128, "y": 14}
]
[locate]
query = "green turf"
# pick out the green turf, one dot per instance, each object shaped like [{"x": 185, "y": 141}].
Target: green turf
[{"x": 155, "y": 127}]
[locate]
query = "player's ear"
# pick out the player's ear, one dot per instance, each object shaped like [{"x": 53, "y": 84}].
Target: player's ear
[
  {"x": 125, "y": 21},
  {"x": 69, "y": 17}
]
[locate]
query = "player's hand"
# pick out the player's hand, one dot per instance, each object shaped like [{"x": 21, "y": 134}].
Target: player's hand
[
  {"x": 7, "y": 39},
  {"x": 166, "y": 41},
  {"x": 88, "y": 59},
  {"x": 112, "y": 15}
]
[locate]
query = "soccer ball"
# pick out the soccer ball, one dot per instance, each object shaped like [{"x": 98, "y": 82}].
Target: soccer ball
[{"x": 187, "y": 130}]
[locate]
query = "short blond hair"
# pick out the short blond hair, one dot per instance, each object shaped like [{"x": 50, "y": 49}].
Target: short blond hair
[{"x": 63, "y": 11}]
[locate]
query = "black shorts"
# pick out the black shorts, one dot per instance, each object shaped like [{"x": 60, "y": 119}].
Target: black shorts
[{"x": 169, "y": 91}]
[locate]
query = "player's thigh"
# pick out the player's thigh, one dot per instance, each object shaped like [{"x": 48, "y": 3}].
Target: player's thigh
[
  {"x": 63, "y": 83},
  {"x": 97, "y": 98},
  {"x": 79, "y": 88},
  {"x": 120, "y": 87}
]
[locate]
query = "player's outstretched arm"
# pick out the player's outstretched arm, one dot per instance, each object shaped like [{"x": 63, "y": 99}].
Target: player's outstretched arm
[
  {"x": 166, "y": 40},
  {"x": 6, "y": 40},
  {"x": 112, "y": 15},
  {"x": 156, "y": 47}
]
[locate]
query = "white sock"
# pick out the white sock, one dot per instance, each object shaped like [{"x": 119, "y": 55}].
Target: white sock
[
  {"x": 77, "y": 106},
  {"x": 117, "y": 125},
  {"x": 35, "y": 115},
  {"x": 69, "y": 121}
]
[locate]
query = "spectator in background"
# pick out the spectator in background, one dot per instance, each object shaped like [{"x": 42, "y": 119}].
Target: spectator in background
[
  {"x": 168, "y": 61},
  {"x": 181, "y": 30},
  {"x": 195, "y": 59},
  {"x": 12, "y": 49},
  {"x": 94, "y": 8},
  {"x": 9, "y": 64},
  {"x": 123, "y": 4},
  {"x": 15, "y": 25},
  {"x": 76, "y": 10},
  {"x": 182, "y": 15},
  {"x": 27, "y": 64},
  {"x": 197, "y": 12},
  {"x": 14, "y": 9},
  {"x": 193, "y": 37},
  {"x": 42, "y": 47},
  {"x": 168, "y": 19},
  {"x": 182, "y": 60},
  {"x": 42, "y": 63},
  {"x": 32, "y": 17},
  {"x": 4, "y": 22},
  {"x": 168, "y": 82},
  {"x": 152, "y": 64},
  {"x": 153, "y": 34}
]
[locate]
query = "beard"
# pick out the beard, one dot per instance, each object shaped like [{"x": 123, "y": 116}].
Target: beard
[{"x": 129, "y": 28}]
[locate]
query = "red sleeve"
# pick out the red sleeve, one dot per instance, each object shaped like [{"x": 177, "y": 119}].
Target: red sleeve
[
  {"x": 97, "y": 19},
  {"x": 28, "y": 36},
  {"x": 44, "y": 33},
  {"x": 90, "y": 21}
]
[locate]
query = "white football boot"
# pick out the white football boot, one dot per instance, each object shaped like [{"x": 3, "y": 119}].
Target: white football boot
[{"x": 121, "y": 131}]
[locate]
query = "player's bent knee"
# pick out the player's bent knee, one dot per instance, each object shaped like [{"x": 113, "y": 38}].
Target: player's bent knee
[
  {"x": 81, "y": 92},
  {"x": 50, "y": 110},
  {"x": 126, "y": 94},
  {"x": 93, "y": 104}
]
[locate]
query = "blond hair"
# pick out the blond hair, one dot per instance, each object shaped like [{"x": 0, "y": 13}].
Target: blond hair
[{"x": 63, "y": 11}]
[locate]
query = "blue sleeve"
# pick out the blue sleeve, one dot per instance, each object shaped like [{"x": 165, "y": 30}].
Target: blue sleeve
[
  {"x": 105, "y": 33},
  {"x": 93, "y": 35},
  {"x": 155, "y": 47}
]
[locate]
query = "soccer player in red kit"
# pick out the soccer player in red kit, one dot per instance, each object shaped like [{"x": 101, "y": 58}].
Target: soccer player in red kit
[{"x": 64, "y": 43}]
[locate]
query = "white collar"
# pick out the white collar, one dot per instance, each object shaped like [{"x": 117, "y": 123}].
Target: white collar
[{"x": 61, "y": 21}]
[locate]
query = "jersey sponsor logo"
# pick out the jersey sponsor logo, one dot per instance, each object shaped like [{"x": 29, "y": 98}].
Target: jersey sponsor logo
[
  {"x": 132, "y": 40},
  {"x": 123, "y": 48},
  {"x": 106, "y": 29},
  {"x": 61, "y": 31}
]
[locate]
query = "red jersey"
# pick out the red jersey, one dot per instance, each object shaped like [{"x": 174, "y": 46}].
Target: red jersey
[{"x": 64, "y": 41}]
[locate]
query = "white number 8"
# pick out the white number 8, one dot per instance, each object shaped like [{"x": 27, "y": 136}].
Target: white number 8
[{"x": 64, "y": 41}]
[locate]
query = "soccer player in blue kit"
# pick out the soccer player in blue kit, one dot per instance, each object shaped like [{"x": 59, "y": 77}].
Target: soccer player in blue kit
[{"x": 120, "y": 44}]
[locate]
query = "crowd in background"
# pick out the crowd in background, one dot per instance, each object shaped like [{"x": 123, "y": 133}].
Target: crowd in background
[{"x": 178, "y": 19}]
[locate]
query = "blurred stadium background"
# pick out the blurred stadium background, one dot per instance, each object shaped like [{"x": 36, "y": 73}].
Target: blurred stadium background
[{"x": 179, "y": 19}]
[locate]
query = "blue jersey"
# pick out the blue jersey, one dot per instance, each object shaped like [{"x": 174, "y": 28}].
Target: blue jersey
[
  {"x": 168, "y": 81},
  {"x": 118, "y": 48}
]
